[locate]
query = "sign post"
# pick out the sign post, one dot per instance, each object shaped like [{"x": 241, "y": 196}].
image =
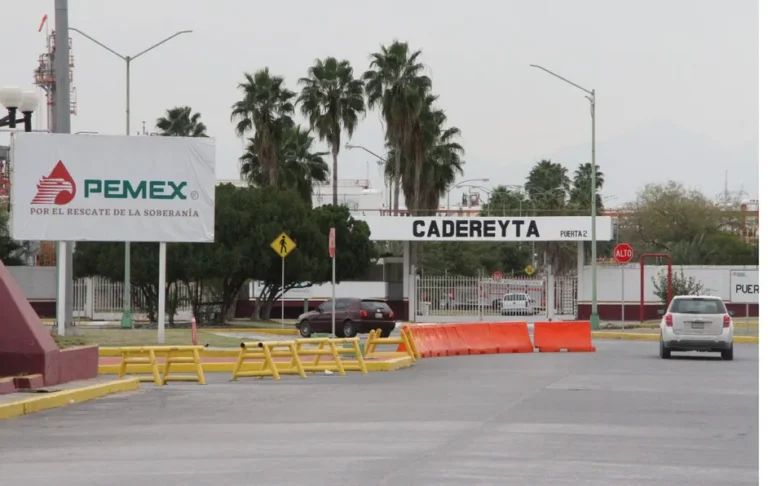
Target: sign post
[
  {"x": 622, "y": 253},
  {"x": 332, "y": 254},
  {"x": 745, "y": 288},
  {"x": 283, "y": 245}
]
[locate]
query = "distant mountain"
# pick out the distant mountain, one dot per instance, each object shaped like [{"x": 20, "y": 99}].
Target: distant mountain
[{"x": 663, "y": 151}]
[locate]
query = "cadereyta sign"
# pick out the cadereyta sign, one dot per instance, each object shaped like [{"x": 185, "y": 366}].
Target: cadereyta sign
[
  {"x": 112, "y": 188},
  {"x": 574, "y": 228}
]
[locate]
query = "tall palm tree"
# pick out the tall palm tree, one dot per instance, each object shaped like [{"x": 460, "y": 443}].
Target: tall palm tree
[
  {"x": 581, "y": 192},
  {"x": 265, "y": 110},
  {"x": 396, "y": 85},
  {"x": 548, "y": 186},
  {"x": 180, "y": 122},
  {"x": 333, "y": 101},
  {"x": 298, "y": 166}
]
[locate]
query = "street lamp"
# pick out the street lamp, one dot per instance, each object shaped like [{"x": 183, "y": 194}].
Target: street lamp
[
  {"x": 382, "y": 162},
  {"x": 448, "y": 192},
  {"x": 127, "y": 320},
  {"x": 594, "y": 318},
  {"x": 15, "y": 100}
]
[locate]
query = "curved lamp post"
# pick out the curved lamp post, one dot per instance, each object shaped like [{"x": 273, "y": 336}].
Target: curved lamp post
[
  {"x": 594, "y": 319},
  {"x": 127, "y": 319}
]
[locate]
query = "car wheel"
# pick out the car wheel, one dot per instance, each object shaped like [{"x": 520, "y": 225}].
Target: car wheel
[
  {"x": 727, "y": 355},
  {"x": 663, "y": 351},
  {"x": 385, "y": 333},
  {"x": 305, "y": 329},
  {"x": 348, "y": 330}
]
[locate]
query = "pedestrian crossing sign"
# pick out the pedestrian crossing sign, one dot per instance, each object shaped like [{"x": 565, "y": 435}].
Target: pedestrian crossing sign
[
  {"x": 530, "y": 270},
  {"x": 283, "y": 245}
]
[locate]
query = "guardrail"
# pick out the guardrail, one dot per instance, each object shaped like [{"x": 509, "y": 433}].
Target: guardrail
[{"x": 142, "y": 356}]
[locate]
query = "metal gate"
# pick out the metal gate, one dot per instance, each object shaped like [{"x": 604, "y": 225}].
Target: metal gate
[{"x": 459, "y": 298}]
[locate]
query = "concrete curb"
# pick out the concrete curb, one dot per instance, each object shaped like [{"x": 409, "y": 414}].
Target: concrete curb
[
  {"x": 636, "y": 336},
  {"x": 65, "y": 397}
]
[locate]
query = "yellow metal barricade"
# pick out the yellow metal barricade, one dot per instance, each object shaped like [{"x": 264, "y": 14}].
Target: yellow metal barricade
[
  {"x": 375, "y": 339},
  {"x": 319, "y": 347},
  {"x": 146, "y": 357},
  {"x": 265, "y": 352},
  {"x": 354, "y": 350}
]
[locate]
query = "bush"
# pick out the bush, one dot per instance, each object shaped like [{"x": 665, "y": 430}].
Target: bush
[{"x": 681, "y": 285}]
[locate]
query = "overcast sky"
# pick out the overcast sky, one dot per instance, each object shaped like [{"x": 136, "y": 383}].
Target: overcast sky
[{"x": 676, "y": 80}]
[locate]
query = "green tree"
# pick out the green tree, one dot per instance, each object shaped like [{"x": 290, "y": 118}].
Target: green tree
[
  {"x": 581, "y": 190},
  {"x": 332, "y": 99},
  {"x": 681, "y": 285},
  {"x": 396, "y": 85},
  {"x": 666, "y": 213},
  {"x": 299, "y": 167},
  {"x": 9, "y": 248},
  {"x": 180, "y": 122},
  {"x": 503, "y": 201},
  {"x": 103, "y": 259},
  {"x": 265, "y": 110},
  {"x": 548, "y": 186}
]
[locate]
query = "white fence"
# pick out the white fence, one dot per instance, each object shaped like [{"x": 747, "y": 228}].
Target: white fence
[
  {"x": 99, "y": 299},
  {"x": 453, "y": 298}
]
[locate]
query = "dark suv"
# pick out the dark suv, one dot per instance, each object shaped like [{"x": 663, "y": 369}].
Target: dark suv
[{"x": 353, "y": 316}]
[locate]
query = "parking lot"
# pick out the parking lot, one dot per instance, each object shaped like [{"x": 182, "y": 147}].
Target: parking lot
[{"x": 617, "y": 416}]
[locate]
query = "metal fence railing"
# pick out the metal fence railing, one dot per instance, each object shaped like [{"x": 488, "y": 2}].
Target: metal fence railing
[{"x": 461, "y": 295}]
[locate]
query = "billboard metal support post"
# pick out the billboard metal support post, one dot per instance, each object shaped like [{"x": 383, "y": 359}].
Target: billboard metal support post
[{"x": 161, "y": 296}]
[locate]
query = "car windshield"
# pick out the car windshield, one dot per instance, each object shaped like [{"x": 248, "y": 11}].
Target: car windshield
[
  {"x": 375, "y": 305},
  {"x": 698, "y": 306}
]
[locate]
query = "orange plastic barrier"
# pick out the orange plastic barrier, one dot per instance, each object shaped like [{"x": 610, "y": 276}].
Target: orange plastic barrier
[
  {"x": 552, "y": 337},
  {"x": 511, "y": 337},
  {"x": 477, "y": 337},
  {"x": 455, "y": 344}
]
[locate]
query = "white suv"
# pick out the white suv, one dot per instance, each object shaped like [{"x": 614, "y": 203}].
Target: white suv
[
  {"x": 696, "y": 323},
  {"x": 517, "y": 304}
]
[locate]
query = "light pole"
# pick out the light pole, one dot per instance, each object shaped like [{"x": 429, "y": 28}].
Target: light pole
[
  {"x": 448, "y": 192},
  {"x": 383, "y": 163},
  {"x": 127, "y": 320},
  {"x": 594, "y": 318},
  {"x": 16, "y": 100}
]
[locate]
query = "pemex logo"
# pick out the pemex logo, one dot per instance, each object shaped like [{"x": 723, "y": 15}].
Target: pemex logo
[{"x": 58, "y": 188}]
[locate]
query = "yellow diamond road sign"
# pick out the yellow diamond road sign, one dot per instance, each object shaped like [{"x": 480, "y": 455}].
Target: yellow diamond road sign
[
  {"x": 283, "y": 245},
  {"x": 529, "y": 269}
]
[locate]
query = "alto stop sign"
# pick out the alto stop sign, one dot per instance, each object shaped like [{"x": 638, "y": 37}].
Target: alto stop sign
[
  {"x": 496, "y": 275},
  {"x": 623, "y": 253}
]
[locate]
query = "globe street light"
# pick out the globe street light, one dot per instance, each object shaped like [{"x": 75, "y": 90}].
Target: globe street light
[
  {"x": 594, "y": 319},
  {"x": 14, "y": 99},
  {"x": 127, "y": 320}
]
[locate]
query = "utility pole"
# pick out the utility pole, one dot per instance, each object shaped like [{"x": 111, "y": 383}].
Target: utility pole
[{"x": 61, "y": 107}]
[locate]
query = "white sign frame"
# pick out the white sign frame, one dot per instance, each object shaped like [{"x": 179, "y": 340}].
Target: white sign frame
[
  {"x": 749, "y": 277},
  {"x": 112, "y": 188},
  {"x": 475, "y": 228}
]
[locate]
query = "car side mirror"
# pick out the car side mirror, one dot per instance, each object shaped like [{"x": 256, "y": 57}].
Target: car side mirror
[
  {"x": 661, "y": 312},
  {"x": 730, "y": 313}
]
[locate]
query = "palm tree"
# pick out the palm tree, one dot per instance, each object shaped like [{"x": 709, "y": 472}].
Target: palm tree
[
  {"x": 265, "y": 110},
  {"x": 548, "y": 186},
  {"x": 333, "y": 101},
  {"x": 581, "y": 192},
  {"x": 299, "y": 167},
  {"x": 180, "y": 122},
  {"x": 396, "y": 84}
]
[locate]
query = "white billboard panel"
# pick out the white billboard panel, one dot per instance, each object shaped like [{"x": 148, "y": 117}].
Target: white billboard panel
[
  {"x": 745, "y": 286},
  {"x": 112, "y": 188},
  {"x": 545, "y": 228}
]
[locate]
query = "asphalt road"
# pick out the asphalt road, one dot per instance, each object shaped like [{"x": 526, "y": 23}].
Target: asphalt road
[{"x": 618, "y": 416}]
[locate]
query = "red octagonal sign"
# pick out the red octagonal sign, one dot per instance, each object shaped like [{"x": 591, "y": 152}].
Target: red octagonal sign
[{"x": 623, "y": 253}]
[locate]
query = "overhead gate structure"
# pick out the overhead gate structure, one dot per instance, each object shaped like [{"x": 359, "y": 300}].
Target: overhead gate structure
[{"x": 454, "y": 298}]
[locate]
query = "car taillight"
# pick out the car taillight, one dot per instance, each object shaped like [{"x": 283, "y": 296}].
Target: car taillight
[
  {"x": 726, "y": 321},
  {"x": 391, "y": 315},
  {"x": 668, "y": 320},
  {"x": 363, "y": 313}
]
